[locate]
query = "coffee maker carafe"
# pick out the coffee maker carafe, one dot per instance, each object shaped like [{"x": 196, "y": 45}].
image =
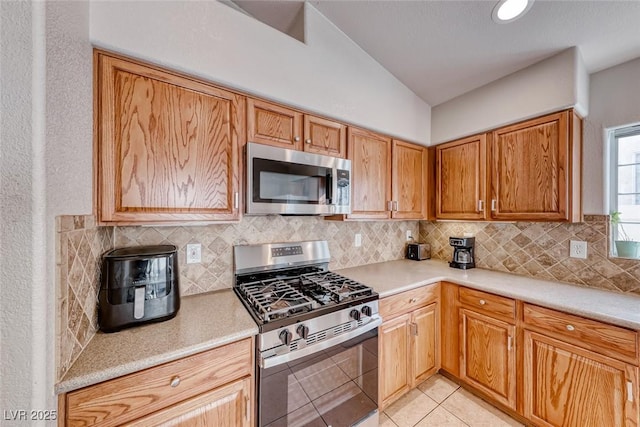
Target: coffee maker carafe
[{"x": 463, "y": 257}]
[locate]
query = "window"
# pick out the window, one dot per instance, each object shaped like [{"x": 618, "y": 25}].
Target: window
[{"x": 625, "y": 189}]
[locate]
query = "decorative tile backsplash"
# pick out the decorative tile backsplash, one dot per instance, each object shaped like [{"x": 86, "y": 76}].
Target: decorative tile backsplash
[
  {"x": 540, "y": 250},
  {"x": 81, "y": 244},
  {"x": 381, "y": 241},
  {"x": 79, "y": 247}
]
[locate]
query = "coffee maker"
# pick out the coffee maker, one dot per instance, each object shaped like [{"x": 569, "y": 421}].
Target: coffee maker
[{"x": 463, "y": 257}]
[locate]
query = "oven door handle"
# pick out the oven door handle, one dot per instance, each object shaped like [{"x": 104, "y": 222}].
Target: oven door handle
[{"x": 323, "y": 345}]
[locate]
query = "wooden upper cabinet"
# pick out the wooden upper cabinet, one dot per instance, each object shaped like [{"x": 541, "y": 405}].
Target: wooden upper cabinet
[
  {"x": 166, "y": 147},
  {"x": 409, "y": 180},
  {"x": 272, "y": 124},
  {"x": 324, "y": 136},
  {"x": 535, "y": 169},
  {"x": 461, "y": 179},
  {"x": 370, "y": 156}
]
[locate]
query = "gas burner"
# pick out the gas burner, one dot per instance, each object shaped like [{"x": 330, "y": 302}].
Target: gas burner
[
  {"x": 337, "y": 287},
  {"x": 275, "y": 298}
]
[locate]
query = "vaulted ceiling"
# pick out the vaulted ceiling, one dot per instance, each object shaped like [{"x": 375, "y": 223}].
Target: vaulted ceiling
[{"x": 442, "y": 49}]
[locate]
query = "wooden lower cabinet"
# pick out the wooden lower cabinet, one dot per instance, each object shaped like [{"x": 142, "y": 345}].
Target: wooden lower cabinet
[
  {"x": 488, "y": 359},
  {"x": 566, "y": 385},
  {"x": 393, "y": 337},
  {"x": 227, "y": 406},
  {"x": 212, "y": 388},
  {"x": 409, "y": 348}
]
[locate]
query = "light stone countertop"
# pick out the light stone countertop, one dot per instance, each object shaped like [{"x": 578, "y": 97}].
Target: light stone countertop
[
  {"x": 203, "y": 322},
  {"x": 392, "y": 277}
]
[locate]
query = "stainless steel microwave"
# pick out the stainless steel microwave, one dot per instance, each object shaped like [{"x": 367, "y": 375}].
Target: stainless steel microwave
[{"x": 290, "y": 182}]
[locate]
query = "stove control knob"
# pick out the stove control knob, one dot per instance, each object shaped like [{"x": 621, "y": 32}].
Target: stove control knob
[
  {"x": 285, "y": 336},
  {"x": 303, "y": 331},
  {"x": 366, "y": 310},
  {"x": 355, "y": 314}
]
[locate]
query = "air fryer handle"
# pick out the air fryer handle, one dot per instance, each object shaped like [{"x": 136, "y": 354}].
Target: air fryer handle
[{"x": 138, "y": 302}]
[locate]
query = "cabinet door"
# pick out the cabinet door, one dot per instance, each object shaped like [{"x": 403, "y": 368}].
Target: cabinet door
[
  {"x": 425, "y": 343},
  {"x": 394, "y": 349},
  {"x": 409, "y": 180},
  {"x": 530, "y": 170},
  {"x": 272, "y": 124},
  {"x": 461, "y": 179},
  {"x": 324, "y": 136},
  {"x": 370, "y": 156},
  {"x": 167, "y": 146},
  {"x": 227, "y": 406},
  {"x": 488, "y": 356},
  {"x": 568, "y": 386}
]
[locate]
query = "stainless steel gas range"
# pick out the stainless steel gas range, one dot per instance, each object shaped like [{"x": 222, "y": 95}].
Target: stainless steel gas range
[{"x": 317, "y": 350}]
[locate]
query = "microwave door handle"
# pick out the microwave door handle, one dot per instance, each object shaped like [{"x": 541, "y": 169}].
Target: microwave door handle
[{"x": 330, "y": 189}]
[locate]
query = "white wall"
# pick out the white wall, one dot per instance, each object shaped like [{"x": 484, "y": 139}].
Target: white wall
[
  {"x": 45, "y": 165},
  {"x": 614, "y": 101},
  {"x": 550, "y": 85},
  {"x": 329, "y": 74}
]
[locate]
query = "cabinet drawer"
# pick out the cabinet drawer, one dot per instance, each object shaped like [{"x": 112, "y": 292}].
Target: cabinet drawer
[
  {"x": 600, "y": 337},
  {"x": 408, "y": 301},
  {"x": 488, "y": 303},
  {"x": 126, "y": 398}
]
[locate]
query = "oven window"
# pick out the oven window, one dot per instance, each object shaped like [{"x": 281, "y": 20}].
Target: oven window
[
  {"x": 280, "y": 182},
  {"x": 337, "y": 386}
]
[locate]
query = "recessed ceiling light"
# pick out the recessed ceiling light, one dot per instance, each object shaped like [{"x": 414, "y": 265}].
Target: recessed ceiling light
[{"x": 510, "y": 10}]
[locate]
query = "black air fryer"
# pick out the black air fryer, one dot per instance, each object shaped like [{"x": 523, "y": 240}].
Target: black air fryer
[{"x": 138, "y": 285}]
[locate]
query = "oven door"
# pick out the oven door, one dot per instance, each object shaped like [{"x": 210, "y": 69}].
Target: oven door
[
  {"x": 281, "y": 181},
  {"x": 336, "y": 387}
]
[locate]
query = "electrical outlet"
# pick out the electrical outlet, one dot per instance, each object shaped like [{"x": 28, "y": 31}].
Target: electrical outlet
[
  {"x": 194, "y": 253},
  {"x": 358, "y": 240},
  {"x": 578, "y": 249},
  {"x": 409, "y": 235}
]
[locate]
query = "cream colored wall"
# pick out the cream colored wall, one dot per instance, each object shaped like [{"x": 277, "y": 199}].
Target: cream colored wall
[
  {"x": 328, "y": 74},
  {"x": 615, "y": 101},
  {"x": 550, "y": 85},
  {"x": 46, "y": 169}
]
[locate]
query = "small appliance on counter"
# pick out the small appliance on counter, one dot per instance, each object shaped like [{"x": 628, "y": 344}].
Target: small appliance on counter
[
  {"x": 138, "y": 285},
  {"x": 418, "y": 251},
  {"x": 463, "y": 257}
]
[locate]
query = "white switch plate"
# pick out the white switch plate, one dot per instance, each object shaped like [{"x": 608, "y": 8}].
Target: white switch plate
[
  {"x": 358, "y": 240},
  {"x": 578, "y": 249},
  {"x": 409, "y": 235},
  {"x": 194, "y": 253}
]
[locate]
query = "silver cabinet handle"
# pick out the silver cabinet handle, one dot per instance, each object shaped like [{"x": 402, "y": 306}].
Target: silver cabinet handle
[
  {"x": 482, "y": 302},
  {"x": 175, "y": 381},
  {"x": 413, "y": 300},
  {"x": 509, "y": 343},
  {"x": 296, "y": 138},
  {"x": 480, "y": 205},
  {"x": 570, "y": 328},
  {"x": 236, "y": 200},
  {"x": 629, "y": 391},
  {"x": 395, "y": 204},
  {"x": 494, "y": 205},
  {"x": 390, "y": 205},
  {"x": 307, "y": 141}
]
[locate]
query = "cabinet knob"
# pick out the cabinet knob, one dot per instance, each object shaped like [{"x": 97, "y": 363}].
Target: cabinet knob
[
  {"x": 413, "y": 300},
  {"x": 570, "y": 328},
  {"x": 296, "y": 138},
  {"x": 175, "y": 381},
  {"x": 307, "y": 141},
  {"x": 482, "y": 302}
]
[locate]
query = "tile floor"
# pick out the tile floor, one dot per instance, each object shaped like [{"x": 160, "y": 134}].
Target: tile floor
[{"x": 441, "y": 402}]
